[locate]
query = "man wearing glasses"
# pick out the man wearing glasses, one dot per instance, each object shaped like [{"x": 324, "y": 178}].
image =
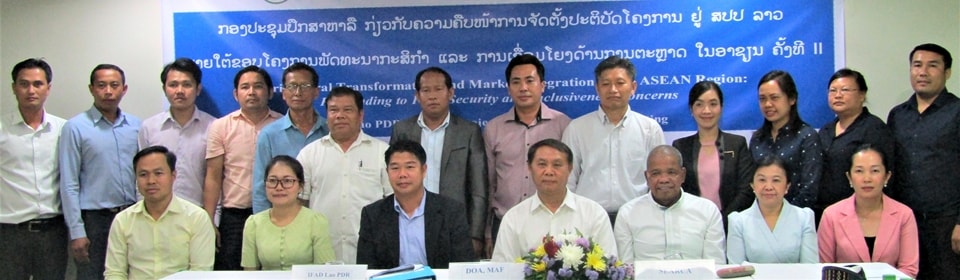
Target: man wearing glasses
[{"x": 288, "y": 135}]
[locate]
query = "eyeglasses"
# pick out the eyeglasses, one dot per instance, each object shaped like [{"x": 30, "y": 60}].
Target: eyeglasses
[
  {"x": 844, "y": 91},
  {"x": 297, "y": 87},
  {"x": 286, "y": 183}
]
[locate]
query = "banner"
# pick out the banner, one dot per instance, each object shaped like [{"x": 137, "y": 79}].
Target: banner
[{"x": 378, "y": 50}]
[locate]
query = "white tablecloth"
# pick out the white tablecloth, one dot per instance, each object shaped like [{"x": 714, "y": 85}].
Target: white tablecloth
[{"x": 763, "y": 271}]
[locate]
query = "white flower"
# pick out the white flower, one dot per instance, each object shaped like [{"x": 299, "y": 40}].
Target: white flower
[
  {"x": 566, "y": 238},
  {"x": 571, "y": 255}
]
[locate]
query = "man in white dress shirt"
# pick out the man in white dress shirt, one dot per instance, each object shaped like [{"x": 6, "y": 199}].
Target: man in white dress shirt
[
  {"x": 344, "y": 171},
  {"x": 668, "y": 223},
  {"x": 554, "y": 210},
  {"x": 34, "y": 235},
  {"x": 609, "y": 145}
]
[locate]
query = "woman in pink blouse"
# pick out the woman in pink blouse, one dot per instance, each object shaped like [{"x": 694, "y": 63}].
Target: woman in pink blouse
[
  {"x": 869, "y": 226},
  {"x": 719, "y": 165}
]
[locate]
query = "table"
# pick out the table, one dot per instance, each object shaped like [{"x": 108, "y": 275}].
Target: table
[
  {"x": 763, "y": 271},
  {"x": 813, "y": 271}
]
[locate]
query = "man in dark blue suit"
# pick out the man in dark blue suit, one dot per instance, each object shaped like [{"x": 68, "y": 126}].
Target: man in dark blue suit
[{"x": 412, "y": 226}]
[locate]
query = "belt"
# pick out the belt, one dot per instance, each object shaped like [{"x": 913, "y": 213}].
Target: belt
[
  {"x": 232, "y": 210},
  {"x": 113, "y": 210},
  {"x": 37, "y": 225}
]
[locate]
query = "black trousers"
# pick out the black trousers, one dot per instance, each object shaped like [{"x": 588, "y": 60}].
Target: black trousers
[
  {"x": 97, "y": 225},
  {"x": 231, "y": 238},
  {"x": 36, "y": 248},
  {"x": 613, "y": 218},
  {"x": 937, "y": 259}
]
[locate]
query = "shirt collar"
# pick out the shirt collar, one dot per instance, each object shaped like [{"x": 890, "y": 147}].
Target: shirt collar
[
  {"x": 942, "y": 99},
  {"x": 423, "y": 125},
  {"x": 239, "y": 115},
  {"x": 863, "y": 115},
  {"x": 539, "y": 118},
  {"x": 195, "y": 117},
  {"x": 675, "y": 204},
  {"x": 173, "y": 208},
  {"x": 416, "y": 213},
  {"x": 15, "y": 118},
  {"x": 287, "y": 123},
  {"x": 361, "y": 139},
  {"x": 604, "y": 120},
  {"x": 96, "y": 116},
  {"x": 568, "y": 202}
]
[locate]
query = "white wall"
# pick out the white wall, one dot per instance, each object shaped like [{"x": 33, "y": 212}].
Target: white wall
[
  {"x": 880, "y": 35},
  {"x": 75, "y": 35}
]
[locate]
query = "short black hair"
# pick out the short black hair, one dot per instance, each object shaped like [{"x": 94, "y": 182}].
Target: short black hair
[
  {"x": 406, "y": 146},
  {"x": 288, "y": 161},
  {"x": 772, "y": 160},
  {"x": 184, "y": 65},
  {"x": 345, "y": 91},
  {"x": 789, "y": 88},
  {"x": 615, "y": 62},
  {"x": 849, "y": 73},
  {"x": 93, "y": 74},
  {"x": 446, "y": 77},
  {"x": 300, "y": 66},
  {"x": 930, "y": 47},
  {"x": 702, "y": 87},
  {"x": 870, "y": 147},
  {"x": 253, "y": 68},
  {"x": 525, "y": 59},
  {"x": 31, "y": 63},
  {"x": 552, "y": 143},
  {"x": 171, "y": 157}
]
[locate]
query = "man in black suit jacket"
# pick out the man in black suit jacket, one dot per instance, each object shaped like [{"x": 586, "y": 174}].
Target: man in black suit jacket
[
  {"x": 412, "y": 226},
  {"x": 454, "y": 146}
]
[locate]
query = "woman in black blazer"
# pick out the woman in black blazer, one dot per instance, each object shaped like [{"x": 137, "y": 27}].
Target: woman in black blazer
[{"x": 723, "y": 157}]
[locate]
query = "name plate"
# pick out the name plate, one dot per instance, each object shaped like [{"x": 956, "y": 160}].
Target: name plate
[
  {"x": 485, "y": 271},
  {"x": 326, "y": 272},
  {"x": 675, "y": 269}
]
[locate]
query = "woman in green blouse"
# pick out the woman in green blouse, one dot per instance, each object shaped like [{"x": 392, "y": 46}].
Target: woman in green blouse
[{"x": 288, "y": 233}]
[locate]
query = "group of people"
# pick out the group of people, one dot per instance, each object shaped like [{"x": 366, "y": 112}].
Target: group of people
[{"x": 257, "y": 189}]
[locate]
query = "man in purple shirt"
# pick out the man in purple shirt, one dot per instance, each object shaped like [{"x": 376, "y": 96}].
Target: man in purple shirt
[
  {"x": 182, "y": 128},
  {"x": 508, "y": 136}
]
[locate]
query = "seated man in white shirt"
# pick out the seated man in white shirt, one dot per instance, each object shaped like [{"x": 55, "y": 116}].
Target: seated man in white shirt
[
  {"x": 668, "y": 223},
  {"x": 554, "y": 210}
]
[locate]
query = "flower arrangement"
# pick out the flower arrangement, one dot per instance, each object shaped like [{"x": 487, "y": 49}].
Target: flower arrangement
[{"x": 572, "y": 256}]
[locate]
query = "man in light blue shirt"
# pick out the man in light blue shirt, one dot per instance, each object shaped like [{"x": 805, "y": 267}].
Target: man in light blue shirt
[
  {"x": 96, "y": 178},
  {"x": 288, "y": 135}
]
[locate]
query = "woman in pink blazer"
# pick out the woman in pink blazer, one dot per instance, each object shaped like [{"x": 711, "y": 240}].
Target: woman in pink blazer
[{"x": 869, "y": 226}]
